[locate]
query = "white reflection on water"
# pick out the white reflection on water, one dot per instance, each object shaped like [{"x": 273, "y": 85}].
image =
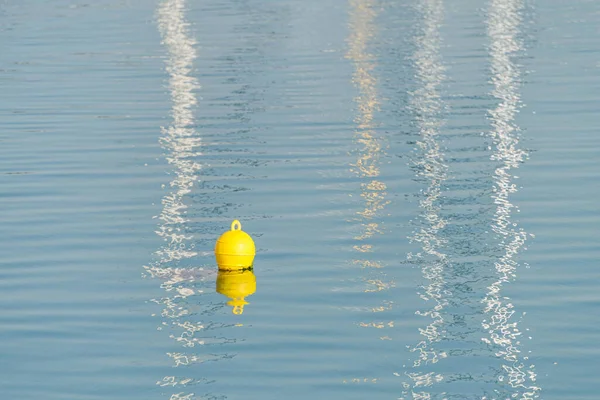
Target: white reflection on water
[
  {"x": 181, "y": 143},
  {"x": 367, "y": 167},
  {"x": 180, "y": 140},
  {"x": 504, "y": 335},
  {"x": 373, "y": 191},
  {"x": 428, "y": 107}
]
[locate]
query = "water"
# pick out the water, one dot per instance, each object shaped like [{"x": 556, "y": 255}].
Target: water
[{"x": 420, "y": 179}]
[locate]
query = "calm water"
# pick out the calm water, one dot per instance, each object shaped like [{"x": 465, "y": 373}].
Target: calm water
[{"x": 420, "y": 178}]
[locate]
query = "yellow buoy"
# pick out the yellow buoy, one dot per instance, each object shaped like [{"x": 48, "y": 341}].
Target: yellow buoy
[
  {"x": 235, "y": 249},
  {"x": 236, "y": 285}
]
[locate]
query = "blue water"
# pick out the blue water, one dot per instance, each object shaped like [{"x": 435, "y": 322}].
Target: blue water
[{"x": 420, "y": 179}]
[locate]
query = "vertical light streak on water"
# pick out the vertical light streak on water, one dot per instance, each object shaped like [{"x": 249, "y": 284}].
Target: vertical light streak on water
[
  {"x": 428, "y": 107},
  {"x": 367, "y": 167},
  {"x": 180, "y": 140},
  {"x": 503, "y": 24},
  {"x": 181, "y": 144}
]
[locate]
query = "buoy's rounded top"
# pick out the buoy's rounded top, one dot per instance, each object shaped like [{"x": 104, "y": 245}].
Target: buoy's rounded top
[{"x": 235, "y": 241}]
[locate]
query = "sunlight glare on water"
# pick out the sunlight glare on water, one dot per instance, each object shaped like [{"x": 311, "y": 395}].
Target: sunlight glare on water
[
  {"x": 503, "y": 30},
  {"x": 428, "y": 110}
]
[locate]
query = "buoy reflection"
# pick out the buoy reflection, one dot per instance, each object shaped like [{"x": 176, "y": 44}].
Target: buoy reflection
[{"x": 236, "y": 285}]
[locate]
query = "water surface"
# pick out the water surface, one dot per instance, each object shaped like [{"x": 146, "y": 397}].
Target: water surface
[{"x": 420, "y": 179}]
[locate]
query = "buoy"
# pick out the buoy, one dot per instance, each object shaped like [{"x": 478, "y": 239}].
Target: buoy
[
  {"x": 236, "y": 285},
  {"x": 235, "y": 249}
]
